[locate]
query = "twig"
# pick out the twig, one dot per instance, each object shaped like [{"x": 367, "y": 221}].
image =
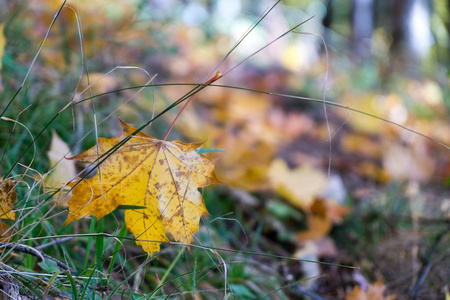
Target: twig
[
  {"x": 22, "y": 248},
  {"x": 35, "y": 252},
  {"x": 309, "y": 294},
  {"x": 54, "y": 242}
]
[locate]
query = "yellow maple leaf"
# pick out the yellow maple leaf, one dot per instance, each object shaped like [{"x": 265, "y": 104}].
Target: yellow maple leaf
[
  {"x": 8, "y": 197},
  {"x": 160, "y": 176},
  {"x": 299, "y": 186}
]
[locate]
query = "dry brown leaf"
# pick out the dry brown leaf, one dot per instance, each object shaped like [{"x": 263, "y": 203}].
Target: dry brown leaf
[{"x": 160, "y": 176}]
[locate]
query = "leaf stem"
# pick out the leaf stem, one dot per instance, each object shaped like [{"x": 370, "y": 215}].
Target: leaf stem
[{"x": 211, "y": 80}]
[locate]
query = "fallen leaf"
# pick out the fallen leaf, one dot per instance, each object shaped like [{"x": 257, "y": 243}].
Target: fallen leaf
[
  {"x": 318, "y": 227},
  {"x": 299, "y": 186},
  {"x": 246, "y": 166},
  {"x": 411, "y": 162},
  {"x": 369, "y": 169},
  {"x": 290, "y": 125},
  {"x": 8, "y": 197},
  {"x": 374, "y": 292},
  {"x": 63, "y": 170},
  {"x": 5, "y": 233},
  {"x": 323, "y": 213},
  {"x": 370, "y": 103},
  {"x": 362, "y": 145},
  {"x": 159, "y": 175},
  {"x": 329, "y": 209}
]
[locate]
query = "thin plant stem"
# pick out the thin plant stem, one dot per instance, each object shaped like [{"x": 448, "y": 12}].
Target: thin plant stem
[
  {"x": 211, "y": 80},
  {"x": 169, "y": 269}
]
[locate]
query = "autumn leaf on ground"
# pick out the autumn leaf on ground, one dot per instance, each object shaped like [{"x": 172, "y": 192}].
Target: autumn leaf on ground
[
  {"x": 299, "y": 186},
  {"x": 318, "y": 227},
  {"x": 374, "y": 292},
  {"x": 5, "y": 233},
  {"x": 246, "y": 165},
  {"x": 63, "y": 170},
  {"x": 159, "y": 175},
  {"x": 320, "y": 219},
  {"x": 409, "y": 162},
  {"x": 8, "y": 197}
]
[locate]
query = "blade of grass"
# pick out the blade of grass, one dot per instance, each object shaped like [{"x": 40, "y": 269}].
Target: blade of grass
[
  {"x": 194, "y": 274},
  {"x": 73, "y": 286},
  {"x": 87, "y": 283},
  {"x": 167, "y": 273},
  {"x": 89, "y": 243},
  {"x": 122, "y": 233},
  {"x": 99, "y": 245},
  {"x": 49, "y": 285}
]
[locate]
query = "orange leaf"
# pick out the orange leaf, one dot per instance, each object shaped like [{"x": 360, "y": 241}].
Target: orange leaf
[
  {"x": 374, "y": 292},
  {"x": 317, "y": 228}
]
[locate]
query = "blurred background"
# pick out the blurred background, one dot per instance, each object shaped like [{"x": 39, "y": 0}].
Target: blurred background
[{"x": 375, "y": 196}]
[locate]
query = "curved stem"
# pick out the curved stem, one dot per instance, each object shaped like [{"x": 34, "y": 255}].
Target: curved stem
[{"x": 211, "y": 80}]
